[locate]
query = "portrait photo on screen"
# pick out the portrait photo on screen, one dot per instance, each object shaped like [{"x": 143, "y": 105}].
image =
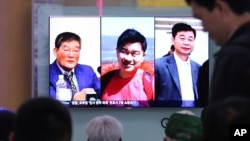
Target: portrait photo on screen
[
  {"x": 74, "y": 59},
  {"x": 127, "y": 61},
  {"x": 181, "y": 48}
]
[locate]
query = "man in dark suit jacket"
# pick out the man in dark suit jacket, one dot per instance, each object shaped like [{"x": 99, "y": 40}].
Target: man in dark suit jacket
[
  {"x": 231, "y": 31},
  {"x": 176, "y": 74},
  {"x": 67, "y": 52}
]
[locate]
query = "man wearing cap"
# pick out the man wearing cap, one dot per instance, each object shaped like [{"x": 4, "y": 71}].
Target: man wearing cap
[
  {"x": 176, "y": 75},
  {"x": 183, "y": 126}
]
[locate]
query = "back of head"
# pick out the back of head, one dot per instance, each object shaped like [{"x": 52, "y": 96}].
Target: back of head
[
  {"x": 42, "y": 119},
  {"x": 183, "y": 126},
  {"x": 237, "y": 6},
  {"x": 104, "y": 128},
  {"x": 131, "y": 36},
  {"x": 6, "y": 123},
  {"x": 178, "y": 27},
  {"x": 217, "y": 118}
]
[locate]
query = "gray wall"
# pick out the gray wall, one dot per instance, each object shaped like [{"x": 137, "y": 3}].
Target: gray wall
[{"x": 139, "y": 124}]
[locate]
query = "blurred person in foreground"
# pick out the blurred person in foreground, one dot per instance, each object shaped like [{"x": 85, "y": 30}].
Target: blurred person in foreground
[
  {"x": 6, "y": 123},
  {"x": 42, "y": 119},
  {"x": 228, "y": 24},
  {"x": 203, "y": 84},
  {"x": 182, "y": 126},
  {"x": 104, "y": 128},
  {"x": 218, "y": 118}
]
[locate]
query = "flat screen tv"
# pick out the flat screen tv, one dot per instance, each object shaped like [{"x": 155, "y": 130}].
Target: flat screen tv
[{"x": 110, "y": 62}]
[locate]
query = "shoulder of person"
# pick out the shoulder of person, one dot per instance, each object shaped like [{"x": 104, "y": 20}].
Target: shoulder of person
[
  {"x": 148, "y": 82},
  {"x": 195, "y": 63},
  {"x": 161, "y": 59},
  {"x": 84, "y": 68},
  {"x": 109, "y": 74}
]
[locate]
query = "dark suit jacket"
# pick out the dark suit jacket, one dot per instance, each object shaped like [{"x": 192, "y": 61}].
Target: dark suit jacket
[
  {"x": 85, "y": 76},
  {"x": 167, "y": 87},
  {"x": 203, "y": 84},
  {"x": 231, "y": 74}
]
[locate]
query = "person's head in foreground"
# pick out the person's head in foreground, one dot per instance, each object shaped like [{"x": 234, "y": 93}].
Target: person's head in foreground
[
  {"x": 42, "y": 119},
  {"x": 221, "y": 17},
  {"x": 104, "y": 128},
  {"x": 6, "y": 123},
  {"x": 183, "y": 126}
]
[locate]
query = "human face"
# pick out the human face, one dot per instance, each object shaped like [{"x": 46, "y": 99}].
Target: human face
[
  {"x": 67, "y": 55},
  {"x": 183, "y": 42},
  {"x": 130, "y": 57},
  {"x": 212, "y": 21}
]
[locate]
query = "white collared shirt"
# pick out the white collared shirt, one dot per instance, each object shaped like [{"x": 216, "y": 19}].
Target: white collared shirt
[
  {"x": 185, "y": 78},
  {"x": 74, "y": 76}
]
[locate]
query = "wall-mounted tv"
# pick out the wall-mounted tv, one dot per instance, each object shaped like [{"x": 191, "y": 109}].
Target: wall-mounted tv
[{"x": 126, "y": 61}]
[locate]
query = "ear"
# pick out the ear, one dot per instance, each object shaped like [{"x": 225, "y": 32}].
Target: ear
[
  {"x": 144, "y": 53},
  {"x": 117, "y": 53},
  {"x": 11, "y": 136},
  {"x": 222, "y": 7},
  {"x": 165, "y": 139},
  {"x": 172, "y": 40},
  {"x": 55, "y": 51}
]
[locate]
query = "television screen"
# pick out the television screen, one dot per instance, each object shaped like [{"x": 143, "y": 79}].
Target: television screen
[{"x": 124, "y": 61}]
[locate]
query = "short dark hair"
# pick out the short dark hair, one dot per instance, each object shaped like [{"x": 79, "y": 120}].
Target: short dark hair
[
  {"x": 6, "y": 123},
  {"x": 66, "y": 36},
  {"x": 182, "y": 27},
  {"x": 131, "y": 36},
  {"x": 42, "y": 119},
  {"x": 237, "y": 6}
]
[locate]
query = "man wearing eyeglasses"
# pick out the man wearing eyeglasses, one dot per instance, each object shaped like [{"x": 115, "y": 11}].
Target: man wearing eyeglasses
[{"x": 80, "y": 78}]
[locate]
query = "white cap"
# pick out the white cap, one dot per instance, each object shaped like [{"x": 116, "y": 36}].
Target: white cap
[{"x": 61, "y": 76}]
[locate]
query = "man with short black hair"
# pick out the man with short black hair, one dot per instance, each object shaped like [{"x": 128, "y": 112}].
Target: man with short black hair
[
  {"x": 228, "y": 24},
  {"x": 176, "y": 74},
  {"x": 130, "y": 81}
]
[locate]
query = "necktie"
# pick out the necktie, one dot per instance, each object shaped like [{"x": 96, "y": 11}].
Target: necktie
[{"x": 69, "y": 75}]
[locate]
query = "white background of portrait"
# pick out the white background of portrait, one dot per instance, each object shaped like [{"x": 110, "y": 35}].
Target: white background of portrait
[
  {"x": 163, "y": 39},
  {"x": 88, "y": 28}
]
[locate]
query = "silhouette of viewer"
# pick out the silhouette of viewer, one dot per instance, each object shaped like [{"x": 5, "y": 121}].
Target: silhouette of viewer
[
  {"x": 231, "y": 74},
  {"x": 42, "y": 119}
]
